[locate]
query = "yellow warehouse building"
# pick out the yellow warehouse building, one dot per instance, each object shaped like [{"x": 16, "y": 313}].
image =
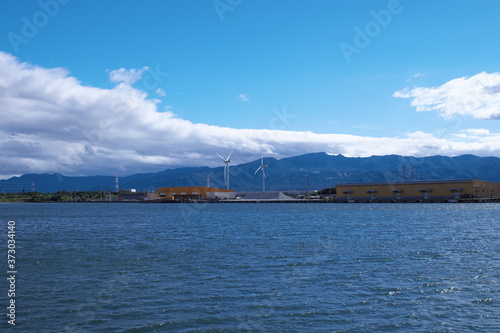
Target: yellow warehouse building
[{"x": 419, "y": 190}]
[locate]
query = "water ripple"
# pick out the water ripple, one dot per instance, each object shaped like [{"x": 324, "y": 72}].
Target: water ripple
[{"x": 258, "y": 268}]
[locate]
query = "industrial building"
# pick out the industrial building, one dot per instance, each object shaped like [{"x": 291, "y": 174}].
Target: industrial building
[
  {"x": 439, "y": 190},
  {"x": 195, "y": 193}
]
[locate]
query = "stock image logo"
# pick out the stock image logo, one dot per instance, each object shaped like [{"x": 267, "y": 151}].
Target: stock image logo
[{"x": 31, "y": 26}]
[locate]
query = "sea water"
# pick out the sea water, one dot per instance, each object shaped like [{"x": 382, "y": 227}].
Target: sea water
[{"x": 254, "y": 267}]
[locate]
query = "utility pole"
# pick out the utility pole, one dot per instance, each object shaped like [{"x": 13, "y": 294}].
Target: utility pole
[{"x": 308, "y": 185}]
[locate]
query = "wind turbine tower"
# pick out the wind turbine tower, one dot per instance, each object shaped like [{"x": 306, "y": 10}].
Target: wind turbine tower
[
  {"x": 262, "y": 167},
  {"x": 226, "y": 168},
  {"x": 117, "y": 188}
]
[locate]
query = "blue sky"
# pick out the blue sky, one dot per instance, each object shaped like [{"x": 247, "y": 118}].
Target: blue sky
[{"x": 232, "y": 68}]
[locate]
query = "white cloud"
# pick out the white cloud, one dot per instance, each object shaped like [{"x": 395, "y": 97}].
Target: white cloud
[
  {"x": 244, "y": 97},
  {"x": 477, "y": 96},
  {"x": 161, "y": 92},
  {"x": 50, "y": 122},
  {"x": 477, "y": 131},
  {"x": 415, "y": 76},
  {"x": 476, "y": 134},
  {"x": 128, "y": 76}
]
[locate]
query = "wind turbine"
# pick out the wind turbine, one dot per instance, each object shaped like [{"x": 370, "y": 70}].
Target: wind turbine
[
  {"x": 226, "y": 168},
  {"x": 262, "y": 167}
]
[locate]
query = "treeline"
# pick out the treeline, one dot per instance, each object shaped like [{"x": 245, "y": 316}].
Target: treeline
[
  {"x": 328, "y": 191},
  {"x": 61, "y": 196}
]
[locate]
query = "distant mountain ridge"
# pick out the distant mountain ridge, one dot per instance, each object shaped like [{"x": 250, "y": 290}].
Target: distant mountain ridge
[{"x": 292, "y": 173}]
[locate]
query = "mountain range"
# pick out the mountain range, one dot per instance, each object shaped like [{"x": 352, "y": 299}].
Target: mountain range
[{"x": 309, "y": 171}]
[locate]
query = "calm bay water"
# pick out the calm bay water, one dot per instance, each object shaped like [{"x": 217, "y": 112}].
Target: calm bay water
[{"x": 255, "y": 267}]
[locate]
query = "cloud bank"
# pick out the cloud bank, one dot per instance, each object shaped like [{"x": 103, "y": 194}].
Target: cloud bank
[
  {"x": 50, "y": 122},
  {"x": 477, "y": 96}
]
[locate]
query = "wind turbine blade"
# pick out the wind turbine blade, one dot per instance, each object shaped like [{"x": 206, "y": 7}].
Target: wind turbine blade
[
  {"x": 222, "y": 158},
  {"x": 228, "y": 156},
  {"x": 257, "y": 170}
]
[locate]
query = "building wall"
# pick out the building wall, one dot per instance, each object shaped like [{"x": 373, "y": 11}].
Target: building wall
[
  {"x": 483, "y": 189},
  {"x": 193, "y": 193},
  {"x": 452, "y": 189},
  {"x": 221, "y": 195}
]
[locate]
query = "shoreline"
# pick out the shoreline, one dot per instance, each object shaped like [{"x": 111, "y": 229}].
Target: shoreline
[{"x": 242, "y": 201}]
